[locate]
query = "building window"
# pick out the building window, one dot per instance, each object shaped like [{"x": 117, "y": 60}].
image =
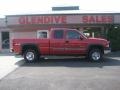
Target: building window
[
  {"x": 5, "y": 40},
  {"x": 72, "y": 35},
  {"x": 42, "y": 34},
  {"x": 58, "y": 34}
]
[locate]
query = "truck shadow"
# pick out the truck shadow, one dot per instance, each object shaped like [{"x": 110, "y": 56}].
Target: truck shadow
[
  {"x": 68, "y": 62},
  {"x": 114, "y": 54}
]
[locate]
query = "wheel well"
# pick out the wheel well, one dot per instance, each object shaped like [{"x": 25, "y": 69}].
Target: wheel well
[
  {"x": 33, "y": 47},
  {"x": 100, "y": 47}
]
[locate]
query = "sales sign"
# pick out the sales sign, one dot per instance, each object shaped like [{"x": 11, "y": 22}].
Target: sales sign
[{"x": 59, "y": 19}]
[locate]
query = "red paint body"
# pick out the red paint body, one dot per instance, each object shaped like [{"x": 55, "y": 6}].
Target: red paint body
[{"x": 63, "y": 46}]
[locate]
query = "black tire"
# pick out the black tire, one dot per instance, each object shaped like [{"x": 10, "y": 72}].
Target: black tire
[
  {"x": 95, "y": 55},
  {"x": 31, "y": 55}
]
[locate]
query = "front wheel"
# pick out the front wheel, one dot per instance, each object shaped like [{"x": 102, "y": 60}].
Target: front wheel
[
  {"x": 95, "y": 55},
  {"x": 30, "y": 55}
]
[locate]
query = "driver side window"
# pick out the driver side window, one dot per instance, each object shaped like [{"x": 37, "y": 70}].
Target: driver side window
[{"x": 72, "y": 35}]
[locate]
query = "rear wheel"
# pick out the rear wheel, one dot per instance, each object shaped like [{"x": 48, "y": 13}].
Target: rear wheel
[
  {"x": 31, "y": 55},
  {"x": 95, "y": 55}
]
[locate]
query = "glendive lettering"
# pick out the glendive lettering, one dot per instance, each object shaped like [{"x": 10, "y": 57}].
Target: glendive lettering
[
  {"x": 97, "y": 19},
  {"x": 42, "y": 20}
]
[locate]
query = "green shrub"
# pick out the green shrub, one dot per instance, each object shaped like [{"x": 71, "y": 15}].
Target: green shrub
[{"x": 114, "y": 37}]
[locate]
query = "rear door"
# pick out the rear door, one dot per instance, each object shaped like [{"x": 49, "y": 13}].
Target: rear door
[{"x": 57, "y": 42}]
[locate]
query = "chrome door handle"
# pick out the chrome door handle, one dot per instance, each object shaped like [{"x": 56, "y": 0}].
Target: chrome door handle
[{"x": 66, "y": 41}]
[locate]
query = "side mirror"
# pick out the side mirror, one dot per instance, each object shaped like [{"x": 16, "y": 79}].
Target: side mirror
[{"x": 81, "y": 38}]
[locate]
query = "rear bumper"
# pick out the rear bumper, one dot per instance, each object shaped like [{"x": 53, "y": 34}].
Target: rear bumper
[
  {"x": 107, "y": 50},
  {"x": 12, "y": 51}
]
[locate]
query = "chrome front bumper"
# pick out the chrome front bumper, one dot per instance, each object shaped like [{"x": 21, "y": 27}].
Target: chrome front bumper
[{"x": 107, "y": 50}]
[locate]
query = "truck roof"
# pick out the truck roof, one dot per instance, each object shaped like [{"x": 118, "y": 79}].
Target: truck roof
[{"x": 62, "y": 29}]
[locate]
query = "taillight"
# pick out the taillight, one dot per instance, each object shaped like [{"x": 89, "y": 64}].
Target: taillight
[
  {"x": 16, "y": 44},
  {"x": 13, "y": 44}
]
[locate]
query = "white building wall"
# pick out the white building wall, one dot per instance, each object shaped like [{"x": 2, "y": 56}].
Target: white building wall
[
  {"x": 0, "y": 41},
  {"x": 2, "y": 22},
  {"x": 2, "y": 28},
  {"x": 23, "y": 35}
]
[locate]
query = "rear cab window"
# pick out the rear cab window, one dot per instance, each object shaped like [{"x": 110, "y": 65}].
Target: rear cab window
[{"x": 44, "y": 34}]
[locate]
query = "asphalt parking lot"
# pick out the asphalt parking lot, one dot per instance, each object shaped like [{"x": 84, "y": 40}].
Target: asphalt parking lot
[{"x": 65, "y": 74}]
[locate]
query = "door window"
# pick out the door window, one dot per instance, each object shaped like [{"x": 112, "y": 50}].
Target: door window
[
  {"x": 72, "y": 35},
  {"x": 58, "y": 34}
]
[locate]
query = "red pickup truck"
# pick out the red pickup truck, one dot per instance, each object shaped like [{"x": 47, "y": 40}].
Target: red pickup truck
[{"x": 61, "y": 42}]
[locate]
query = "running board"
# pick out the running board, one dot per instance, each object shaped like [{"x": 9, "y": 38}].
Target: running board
[{"x": 61, "y": 57}]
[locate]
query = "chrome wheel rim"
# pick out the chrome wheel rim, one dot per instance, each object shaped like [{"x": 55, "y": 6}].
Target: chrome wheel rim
[
  {"x": 30, "y": 56},
  {"x": 95, "y": 56}
]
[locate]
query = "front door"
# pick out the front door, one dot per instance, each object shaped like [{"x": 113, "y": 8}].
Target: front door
[{"x": 73, "y": 44}]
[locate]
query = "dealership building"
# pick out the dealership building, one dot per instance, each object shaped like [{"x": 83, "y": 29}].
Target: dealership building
[{"x": 29, "y": 26}]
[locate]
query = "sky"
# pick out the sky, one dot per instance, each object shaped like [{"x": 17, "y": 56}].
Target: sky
[{"x": 13, "y": 7}]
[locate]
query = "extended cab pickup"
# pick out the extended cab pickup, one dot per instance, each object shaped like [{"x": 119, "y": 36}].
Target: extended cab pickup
[{"x": 61, "y": 42}]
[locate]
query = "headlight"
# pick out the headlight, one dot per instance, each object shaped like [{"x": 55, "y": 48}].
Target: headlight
[{"x": 107, "y": 44}]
